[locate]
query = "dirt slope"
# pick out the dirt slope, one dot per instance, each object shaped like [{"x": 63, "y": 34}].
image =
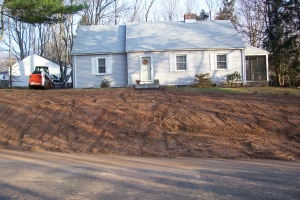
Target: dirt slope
[{"x": 164, "y": 122}]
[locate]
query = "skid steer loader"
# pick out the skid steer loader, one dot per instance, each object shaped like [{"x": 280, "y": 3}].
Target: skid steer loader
[{"x": 40, "y": 79}]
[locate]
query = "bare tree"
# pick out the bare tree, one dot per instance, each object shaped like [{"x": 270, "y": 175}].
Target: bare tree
[
  {"x": 96, "y": 11},
  {"x": 21, "y": 39},
  {"x": 147, "y": 8},
  {"x": 136, "y": 11},
  {"x": 170, "y": 10},
  {"x": 191, "y": 6},
  {"x": 211, "y": 5},
  {"x": 4, "y": 61},
  {"x": 251, "y": 21}
]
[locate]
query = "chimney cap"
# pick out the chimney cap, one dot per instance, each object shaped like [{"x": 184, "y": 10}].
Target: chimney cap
[{"x": 189, "y": 17}]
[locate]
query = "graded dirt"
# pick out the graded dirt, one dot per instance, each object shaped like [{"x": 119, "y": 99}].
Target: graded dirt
[{"x": 152, "y": 123}]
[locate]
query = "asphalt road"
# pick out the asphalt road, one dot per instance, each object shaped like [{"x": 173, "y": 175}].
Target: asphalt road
[{"x": 44, "y": 175}]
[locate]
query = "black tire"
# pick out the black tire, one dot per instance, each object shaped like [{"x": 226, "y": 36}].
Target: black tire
[{"x": 47, "y": 85}]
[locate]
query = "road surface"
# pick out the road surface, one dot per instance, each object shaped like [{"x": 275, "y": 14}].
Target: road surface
[{"x": 46, "y": 175}]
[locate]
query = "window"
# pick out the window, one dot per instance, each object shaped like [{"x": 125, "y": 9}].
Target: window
[
  {"x": 221, "y": 62},
  {"x": 181, "y": 62},
  {"x": 101, "y": 66}
]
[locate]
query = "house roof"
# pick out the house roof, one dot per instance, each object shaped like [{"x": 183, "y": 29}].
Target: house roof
[
  {"x": 99, "y": 39},
  {"x": 157, "y": 36},
  {"x": 201, "y": 35},
  {"x": 250, "y": 50}
]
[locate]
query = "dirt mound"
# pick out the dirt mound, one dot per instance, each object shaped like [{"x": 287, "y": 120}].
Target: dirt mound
[{"x": 160, "y": 122}]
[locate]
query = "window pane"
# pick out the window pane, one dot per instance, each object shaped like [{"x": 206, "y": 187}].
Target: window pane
[
  {"x": 181, "y": 66},
  {"x": 221, "y": 61},
  {"x": 101, "y": 65},
  {"x": 221, "y": 58},
  {"x": 181, "y": 62},
  {"x": 221, "y": 65},
  {"x": 181, "y": 58},
  {"x": 101, "y": 70}
]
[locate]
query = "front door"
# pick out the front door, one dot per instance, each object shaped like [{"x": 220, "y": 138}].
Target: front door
[{"x": 146, "y": 69}]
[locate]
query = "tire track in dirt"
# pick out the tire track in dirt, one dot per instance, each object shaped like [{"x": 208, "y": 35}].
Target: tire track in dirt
[
  {"x": 154, "y": 123},
  {"x": 25, "y": 131},
  {"x": 92, "y": 150}
]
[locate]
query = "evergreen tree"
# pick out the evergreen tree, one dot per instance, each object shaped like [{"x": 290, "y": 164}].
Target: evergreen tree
[
  {"x": 282, "y": 39},
  {"x": 202, "y": 16},
  {"x": 37, "y": 11}
]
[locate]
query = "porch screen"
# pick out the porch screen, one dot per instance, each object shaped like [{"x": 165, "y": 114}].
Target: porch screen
[{"x": 256, "y": 68}]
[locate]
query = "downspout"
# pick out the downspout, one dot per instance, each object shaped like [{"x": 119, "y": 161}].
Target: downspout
[
  {"x": 74, "y": 73},
  {"x": 243, "y": 67},
  {"x": 127, "y": 68},
  {"x": 267, "y": 68}
]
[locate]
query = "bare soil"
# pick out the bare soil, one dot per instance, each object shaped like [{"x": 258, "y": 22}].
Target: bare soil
[{"x": 158, "y": 122}]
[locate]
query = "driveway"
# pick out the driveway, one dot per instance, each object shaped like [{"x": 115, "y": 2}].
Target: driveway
[{"x": 46, "y": 175}]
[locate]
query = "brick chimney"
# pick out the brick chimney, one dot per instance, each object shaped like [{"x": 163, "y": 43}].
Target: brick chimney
[{"x": 189, "y": 18}]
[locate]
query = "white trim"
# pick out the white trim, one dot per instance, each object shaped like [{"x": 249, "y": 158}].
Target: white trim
[
  {"x": 172, "y": 62},
  {"x": 127, "y": 63},
  {"x": 212, "y": 60},
  {"x": 140, "y": 68},
  {"x": 108, "y": 65},
  {"x": 191, "y": 62},
  {"x": 186, "y": 61},
  {"x": 267, "y": 68},
  {"x": 216, "y": 60},
  {"x": 230, "y": 64},
  {"x": 151, "y": 68},
  {"x": 94, "y": 66}
]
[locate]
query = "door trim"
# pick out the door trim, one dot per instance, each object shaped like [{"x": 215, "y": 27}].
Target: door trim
[{"x": 151, "y": 66}]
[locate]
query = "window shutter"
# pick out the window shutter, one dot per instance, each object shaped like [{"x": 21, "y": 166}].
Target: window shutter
[
  {"x": 108, "y": 65},
  {"x": 212, "y": 58},
  {"x": 230, "y": 61},
  {"x": 94, "y": 66},
  {"x": 190, "y": 66},
  {"x": 172, "y": 62}
]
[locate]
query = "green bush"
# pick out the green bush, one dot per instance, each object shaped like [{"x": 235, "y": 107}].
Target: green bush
[
  {"x": 203, "y": 80},
  {"x": 234, "y": 78},
  {"x": 105, "y": 83}
]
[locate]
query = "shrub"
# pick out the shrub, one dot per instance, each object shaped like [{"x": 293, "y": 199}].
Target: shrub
[
  {"x": 203, "y": 80},
  {"x": 234, "y": 78},
  {"x": 105, "y": 83}
]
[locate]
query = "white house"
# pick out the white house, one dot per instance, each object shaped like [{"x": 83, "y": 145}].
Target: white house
[
  {"x": 25, "y": 67},
  {"x": 172, "y": 52}
]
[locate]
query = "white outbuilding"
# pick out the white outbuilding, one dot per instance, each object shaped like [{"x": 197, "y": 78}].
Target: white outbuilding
[{"x": 22, "y": 69}]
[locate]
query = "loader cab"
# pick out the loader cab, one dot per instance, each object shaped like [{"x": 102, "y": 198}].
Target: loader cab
[{"x": 41, "y": 69}]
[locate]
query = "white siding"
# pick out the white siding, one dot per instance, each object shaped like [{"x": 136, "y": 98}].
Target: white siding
[
  {"x": 85, "y": 78},
  {"x": 200, "y": 64}
]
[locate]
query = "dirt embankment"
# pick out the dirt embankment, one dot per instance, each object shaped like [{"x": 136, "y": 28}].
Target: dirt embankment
[{"x": 164, "y": 122}]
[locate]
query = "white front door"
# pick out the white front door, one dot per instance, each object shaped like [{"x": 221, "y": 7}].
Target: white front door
[{"x": 146, "y": 69}]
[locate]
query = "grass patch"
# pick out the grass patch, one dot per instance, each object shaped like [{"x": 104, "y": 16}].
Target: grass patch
[{"x": 249, "y": 90}]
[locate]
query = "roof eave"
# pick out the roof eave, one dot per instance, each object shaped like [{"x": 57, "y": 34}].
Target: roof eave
[
  {"x": 94, "y": 53},
  {"x": 200, "y": 49}
]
